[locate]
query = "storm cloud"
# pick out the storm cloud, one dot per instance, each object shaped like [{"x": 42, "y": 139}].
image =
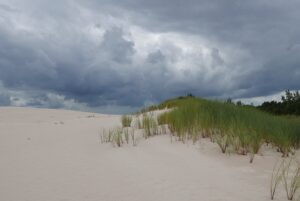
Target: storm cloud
[{"x": 116, "y": 56}]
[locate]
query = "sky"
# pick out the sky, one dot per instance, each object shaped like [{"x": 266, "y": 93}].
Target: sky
[{"x": 117, "y": 56}]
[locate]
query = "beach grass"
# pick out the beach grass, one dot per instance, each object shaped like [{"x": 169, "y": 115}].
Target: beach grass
[
  {"x": 286, "y": 172},
  {"x": 118, "y": 136},
  {"x": 276, "y": 178},
  {"x": 149, "y": 124},
  {"x": 291, "y": 178},
  {"x": 244, "y": 128},
  {"x": 126, "y": 120}
]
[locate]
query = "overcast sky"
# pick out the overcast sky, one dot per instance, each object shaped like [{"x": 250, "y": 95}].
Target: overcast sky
[{"x": 116, "y": 56}]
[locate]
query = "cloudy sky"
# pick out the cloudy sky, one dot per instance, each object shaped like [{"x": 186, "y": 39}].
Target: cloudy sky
[{"x": 116, "y": 56}]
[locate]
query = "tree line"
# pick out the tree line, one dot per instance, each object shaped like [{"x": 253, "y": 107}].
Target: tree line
[{"x": 289, "y": 104}]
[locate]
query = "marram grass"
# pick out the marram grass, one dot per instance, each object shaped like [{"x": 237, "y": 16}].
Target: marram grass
[
  {"x": 118, "y": 136},
  {"x": 287, "y": 173},
  {"x": 149, "y": 124},
  {"x": 126, "y": 120},
  {"x": 242, "y": 127}
]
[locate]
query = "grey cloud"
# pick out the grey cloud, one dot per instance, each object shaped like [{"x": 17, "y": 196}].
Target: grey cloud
[
  {"x": 265, "y": 29},
  {"x": 98, "y": 77},
  {"x": 156, "y": 57},
  {"x": 84, "y": 53},
  {"x": 7, "y": 8},
  {"x": 217, "y": 59},
  {"x": 119, "y": 49}
]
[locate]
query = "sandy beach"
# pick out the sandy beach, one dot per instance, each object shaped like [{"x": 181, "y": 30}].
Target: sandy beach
[{"x": 56, "y": 155}]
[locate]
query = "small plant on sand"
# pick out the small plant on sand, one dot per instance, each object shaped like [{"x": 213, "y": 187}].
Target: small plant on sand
[
  {"x": 149, "y": 125},
  {"x": 289, "y": 174},
  {"x": 138, "y": 123},
  {"x": 235, "y": 144},
  {"x": 254, "y": 145},
  {"x": 126, "y": 134},
  {"x": 244, "y": 143},
  {"x": 276, "y": 178},
  {"x": 133, "y": 139},
  {"x": 117, "y": 137},
  {"x": 222, "y": 140},
  {"x": 126, "y": 120},
  {"x": 291, "y": 178}
]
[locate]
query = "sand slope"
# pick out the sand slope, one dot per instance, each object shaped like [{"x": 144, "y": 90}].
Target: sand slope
[{"x": 55, "y": 155}]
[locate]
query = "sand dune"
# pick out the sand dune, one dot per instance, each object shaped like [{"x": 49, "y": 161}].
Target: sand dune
[{"x": 55, "y": 155}]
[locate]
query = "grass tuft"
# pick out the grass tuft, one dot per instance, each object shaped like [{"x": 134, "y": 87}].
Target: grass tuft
[
  {"x": 291, "y": 178},
  {"x": 223, "y": 141},
  {"x": 126, "y": 120},
  {"x": 276, "y": 178},
  {"x": 149, "y": 125},
  {"x": 117, "y": 137},
  {"x": 289, "y": 174}
]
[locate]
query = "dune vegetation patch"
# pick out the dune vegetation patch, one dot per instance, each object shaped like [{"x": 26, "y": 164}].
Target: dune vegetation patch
[
  {"x": 234, "y": 128},
  {"x": 238, "y": 129},
  {"x": 134, "y": 127},
  {"x": 126, "y": 120},
  {"x": 118, "y": 136},
  {"x": 243, "y": 129}
]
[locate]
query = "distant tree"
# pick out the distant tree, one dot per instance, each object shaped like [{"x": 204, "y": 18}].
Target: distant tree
[
  {"x": 239, "y": 103},
  {"x": 290, "y": 104},
  {"x": 288, "y": 96}
]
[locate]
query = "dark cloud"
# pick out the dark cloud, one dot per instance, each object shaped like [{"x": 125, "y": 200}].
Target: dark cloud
[
  {"x": 104, "y": 55},
  {"x": 266, "y": 30},
  {"x": 116, "y": 47},
  {"x": 156, "y": 58}
]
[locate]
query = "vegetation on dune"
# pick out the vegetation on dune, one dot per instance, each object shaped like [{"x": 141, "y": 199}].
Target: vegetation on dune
[
  {"x": 233, "y": 127},
  {"x": 243, "y": 128},
  {"x": 126, "y": 134},
  {"x": 149, "y": 125},
  {"x": 138, "y": 123},
  {"x": 126, "y": 120},
  {"x": 118, "y": 136}
]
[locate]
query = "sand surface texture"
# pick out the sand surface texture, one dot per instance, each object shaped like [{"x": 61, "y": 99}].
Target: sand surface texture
[{"x": 55, "y": 155}]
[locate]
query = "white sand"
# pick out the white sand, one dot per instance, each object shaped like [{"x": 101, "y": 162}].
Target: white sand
[{"x": 55, "y": 155}]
